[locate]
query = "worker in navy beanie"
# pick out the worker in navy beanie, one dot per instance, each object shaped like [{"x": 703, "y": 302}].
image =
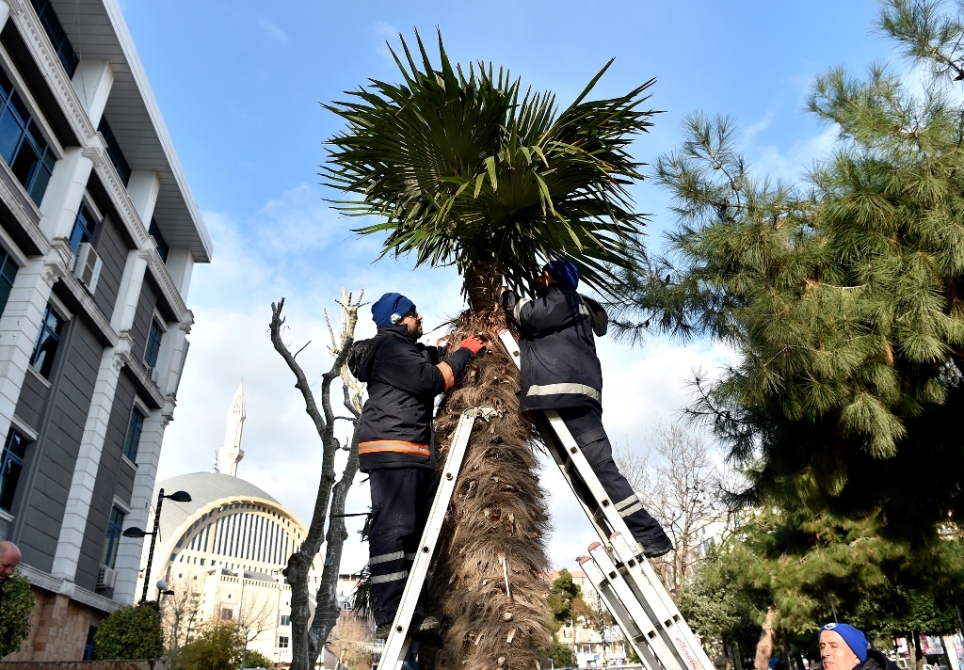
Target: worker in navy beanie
[
  {"x": 560, "y": 371},
  {"x": 843, "y": 647},
  {"x": 396, "y": 448}
]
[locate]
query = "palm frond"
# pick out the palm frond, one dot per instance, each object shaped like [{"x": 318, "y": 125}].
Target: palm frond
[{"x": 469, "y": 170}]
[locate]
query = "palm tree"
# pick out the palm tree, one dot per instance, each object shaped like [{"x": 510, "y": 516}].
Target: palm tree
[{"x": 469, "y": 170}]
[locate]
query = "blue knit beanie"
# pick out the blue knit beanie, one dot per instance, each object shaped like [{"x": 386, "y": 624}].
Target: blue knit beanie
[
  {"x": 854, "y": 638},
  {"x": 564, "y": 272},
  {"x": 390, "y": 308}
]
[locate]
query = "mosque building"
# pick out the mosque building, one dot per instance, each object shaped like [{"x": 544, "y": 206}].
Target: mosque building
[{"x": 222, "y": 553}]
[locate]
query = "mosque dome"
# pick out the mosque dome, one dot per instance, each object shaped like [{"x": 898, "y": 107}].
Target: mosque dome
[{"x": 229, "y": 523}]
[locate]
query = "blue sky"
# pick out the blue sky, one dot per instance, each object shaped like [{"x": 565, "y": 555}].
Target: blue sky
[{"x": 239, "y": 85}]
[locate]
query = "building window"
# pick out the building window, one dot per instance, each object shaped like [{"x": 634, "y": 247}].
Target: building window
[
  {"x": 155, "y": 232},
  {"x": 114, "y": 528},
  {"x": 48, "y": 340},
  {"x": 153, "y": 344},
  {"x": 57, "y": 34},
  {"x": 227, "y": 614},
  {"x": 282, "y": 641},
  {"x": 114, "y": 151},
  {"x": 22, "y": 144},
  {"x": 11, "y": 463},
  {"x": 89, "y": 647},
  {"x": 134, "y": 429},
  {"x": 285, "y": 619},
  {"x": 8, "y": 272},
  {"x": 83, "y": 230}
]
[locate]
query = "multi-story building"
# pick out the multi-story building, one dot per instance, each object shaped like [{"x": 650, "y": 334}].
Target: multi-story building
[
  {"x": 595, "y": 640},
  {"x": 99, "y": 234}
]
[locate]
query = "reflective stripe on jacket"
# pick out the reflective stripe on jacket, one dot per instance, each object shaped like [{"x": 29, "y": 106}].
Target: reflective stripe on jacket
[
  {"x": 560, "y": 367},
  {"x": 403, "y": 378}
]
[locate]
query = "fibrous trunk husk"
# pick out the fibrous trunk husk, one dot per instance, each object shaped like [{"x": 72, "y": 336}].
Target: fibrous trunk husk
[{"x": 489, "y": 583}]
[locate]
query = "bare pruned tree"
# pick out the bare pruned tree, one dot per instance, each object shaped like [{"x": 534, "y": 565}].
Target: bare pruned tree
[
  {"x": 680, "y": 480},
  {"x": 179, "y": 612},
  {"x": 329, "y": 509}
]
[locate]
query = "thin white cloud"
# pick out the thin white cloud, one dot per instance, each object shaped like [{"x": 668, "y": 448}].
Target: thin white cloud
[
  {"x": 385, "y": 33},
  {"x": 272, "y": 30}
]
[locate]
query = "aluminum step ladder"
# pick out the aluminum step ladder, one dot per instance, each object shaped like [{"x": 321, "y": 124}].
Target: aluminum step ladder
[
  {"x": 396, "y": 654},
  {"x": 616, "y": 566}
]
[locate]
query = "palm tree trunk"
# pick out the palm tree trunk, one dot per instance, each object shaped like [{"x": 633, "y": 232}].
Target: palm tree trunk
[{"x": 489, "y": 584}]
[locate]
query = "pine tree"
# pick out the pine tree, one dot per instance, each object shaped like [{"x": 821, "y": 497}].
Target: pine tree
[{"x": 842, "y": 297}]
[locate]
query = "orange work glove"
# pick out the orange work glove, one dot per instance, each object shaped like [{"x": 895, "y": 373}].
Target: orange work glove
[{"x": 473, "y": 344}]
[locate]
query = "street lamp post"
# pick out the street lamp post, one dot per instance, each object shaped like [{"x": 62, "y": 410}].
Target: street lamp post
[{"x": 177, "y": 496}]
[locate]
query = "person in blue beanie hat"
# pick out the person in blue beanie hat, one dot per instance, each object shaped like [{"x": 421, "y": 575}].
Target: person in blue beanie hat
[
  {"x": 843, "y": 647},
  {"x": 396, "y": 447},
  {"x": 561, "y": 371}
]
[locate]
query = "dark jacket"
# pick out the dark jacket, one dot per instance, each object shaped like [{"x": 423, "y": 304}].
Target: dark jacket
[
  {"x": 560, "y": 367},
  {"x": 876, "y": 661},
  {"x": 403, "y": 378}
]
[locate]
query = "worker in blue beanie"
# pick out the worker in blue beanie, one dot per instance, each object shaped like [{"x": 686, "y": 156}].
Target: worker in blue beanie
[
  {"x": 561, "y": 371},
  {"x": 843, "y": 647},
  {"x": 396, "y": 448}
]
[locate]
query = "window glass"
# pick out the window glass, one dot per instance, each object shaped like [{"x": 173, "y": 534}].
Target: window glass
[
  {"x": 22, "y": 145},
  {"x": 285, "y": 619},
  {"x": 114, "y": 528},
  {"x": 283, "y": 641},
  {"x": 114, "y": 151},
  {"x": 11, "y": 463},
  {"x": 51, "y": 327},
  {"x": 155, "y": 232},
  {"x": 83, "y": 230},
  {"x": 58, "y": 36},
  {"x": 8, "y": 272},
  {"x": 134, "y": 429},
  {"x": 153, "y": 344},
  {"x": 89, "y": 650}
]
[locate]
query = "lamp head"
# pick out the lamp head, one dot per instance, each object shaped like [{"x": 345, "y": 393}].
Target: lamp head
[
  {"x": 180, "y": 496},
  {"x": 134, "y": 532}
]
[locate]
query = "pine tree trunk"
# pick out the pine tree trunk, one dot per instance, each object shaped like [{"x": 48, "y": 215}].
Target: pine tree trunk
[
  {"x": 918, "y": 658},
  {"x": 489, "y": 583},
  {"x": 764, "y": 648}
]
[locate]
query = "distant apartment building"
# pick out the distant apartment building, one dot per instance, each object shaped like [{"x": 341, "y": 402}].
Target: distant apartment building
[{"x": 99, "y": 234}]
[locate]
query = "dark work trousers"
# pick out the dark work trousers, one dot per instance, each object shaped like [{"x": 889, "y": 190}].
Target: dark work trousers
[
  {"x": 585, "y": 424},
  {"x": 401, "y": 500}
]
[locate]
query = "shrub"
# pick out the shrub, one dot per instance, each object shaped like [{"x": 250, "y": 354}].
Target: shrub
[
  {"x": 131, "y": 634},
  {"x": 15, "y": 609}
]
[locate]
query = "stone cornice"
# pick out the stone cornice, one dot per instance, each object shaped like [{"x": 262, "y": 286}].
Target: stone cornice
[
  {"x": 166, "y": 283},
  {"x": 141, "y": 379},
  {"x": 27, "y": 213},
  {"x": 53, "y": 584},
  {"x": 36, "y": 38},
  {"x": 91, "y": 310}
]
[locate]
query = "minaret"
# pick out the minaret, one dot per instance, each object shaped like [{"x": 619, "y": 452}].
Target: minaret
[{"x": 231, "y": 454}]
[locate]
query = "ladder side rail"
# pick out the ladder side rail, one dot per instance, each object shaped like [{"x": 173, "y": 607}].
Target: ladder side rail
[
  {"x": 658, "y": 641},
  {"x": 649, "y": 592},
  {"x": 635, "y": 637},
  {"x": 603, "y": 505},
  {"x": 590, "y": 510},
  {"x": 397, "y": 644},
  {"x": 660, "y": 601}
]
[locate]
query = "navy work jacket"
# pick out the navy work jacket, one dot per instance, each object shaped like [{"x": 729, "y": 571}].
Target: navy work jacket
[
  {"x": 403, "y": 378},
  {"x": 560, "y": 367}
]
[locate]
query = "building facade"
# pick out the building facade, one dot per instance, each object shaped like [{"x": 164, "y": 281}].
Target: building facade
[
  {"x": 222, "y": 554},
  {"x": 99, "y": 234}
]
